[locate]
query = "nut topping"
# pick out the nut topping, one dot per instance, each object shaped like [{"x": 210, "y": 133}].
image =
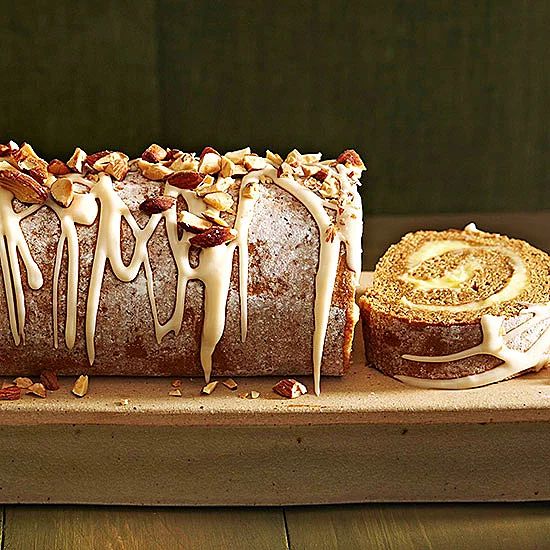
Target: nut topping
[
  {"x": 210, "y": 161},
  {"x": 25, "y": 188},
  {"x": 185, "y": 179},
  {"x": 254, "y": 162},
  {"x": 49, "y": 380},
  {"x": 154, "y": 172},
  {"x": 154, "y": 153},
  {"x": 289, "y": 388},
  {"x": 220, "y": 201},
  {"x": 209, "y": 388},
  {"x": 58, "y": 168},
  {"x": 213, "y": 217},
  {"x": 230, "y": 383},
  {"x": 27, "y": 160},
  {"x": 350, "y": 158},
  {"x": 238, "y": 156},
  {"x": 176, "y": 392},
  {"x": 80, "y": 388},
  {"x": 274, "y": 158},
  {"x": 207, "y": 186},
  {"x": 320, "y": 175},
  {"x": 228, "y": 168},
  {"x": 37, "y": 389},
  {"x": 186, "y": 161},
  {"x": 115, "y": 164},
  {"x": 157, "y": 205},
  {"x": 214, "y": 236},
  {"x": 11, "y": 393},
  {"x": 23, "y": 382},
  {"x": 192, "y": 223},
  {"x": 62, "y": 192},
  {"x": 76, "y": 162}
]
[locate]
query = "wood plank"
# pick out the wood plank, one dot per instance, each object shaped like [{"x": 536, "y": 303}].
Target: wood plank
[
  {"x": 124, "y": 528},
  {"x": 420, "y": 526},
  {"x": 79, "y": 73}
]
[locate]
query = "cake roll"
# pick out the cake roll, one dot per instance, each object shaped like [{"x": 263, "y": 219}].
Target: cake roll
[
  {"x": 178, "y": 264},
  {"x": 458, "y": 309}
]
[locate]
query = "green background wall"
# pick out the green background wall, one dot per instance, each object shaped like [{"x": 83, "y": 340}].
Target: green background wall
[{"x": 448, "y": 101}]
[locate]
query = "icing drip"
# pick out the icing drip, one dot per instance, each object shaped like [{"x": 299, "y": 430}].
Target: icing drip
[
  {"x": 214, "y": 268},
  {"x": 329, "y": 254},
  {"x": 13, "y": 245},
  {"x": 500, "y": 343}
]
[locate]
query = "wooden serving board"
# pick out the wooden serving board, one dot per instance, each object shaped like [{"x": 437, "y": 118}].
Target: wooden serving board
[{"x": 366, "y": 438}]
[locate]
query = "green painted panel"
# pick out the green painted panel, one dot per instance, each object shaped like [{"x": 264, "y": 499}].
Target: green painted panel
[
  {"x": 79, "y": 73},
  {"x": 447, "y": 100}
]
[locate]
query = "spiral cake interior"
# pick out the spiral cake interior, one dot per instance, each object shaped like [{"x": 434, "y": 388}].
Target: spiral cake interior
[{"x": 456, "y": 276}]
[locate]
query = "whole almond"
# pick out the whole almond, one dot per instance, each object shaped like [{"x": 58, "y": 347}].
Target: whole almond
[
  {"x": 49, "y": 380},
  {"x": 185, "y": 179},
  {"x": 157, "y": 205},
  {"x": 58, "y": 168},
  {"x": 24, "y": 187},
  {"x": 214, "y": 236},
  {"x": 11, "y": 393}
]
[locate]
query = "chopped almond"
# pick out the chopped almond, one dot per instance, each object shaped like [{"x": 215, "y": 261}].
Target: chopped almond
[
  {"x": 62, "y": 192},
  {"x": 209, "y": 388},
  {"x": 154, "y": 153},
  {"x": 230, "y": 383},
  {"x": 80, "y": 388}
]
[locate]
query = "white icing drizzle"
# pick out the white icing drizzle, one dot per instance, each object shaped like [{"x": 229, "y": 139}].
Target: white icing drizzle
[
  {"x": 498, "y": 343},
  {"x": 214, "y": 267},
  {"x": 329, "y": 255},
  {"x": 472, "y": 228},
  {"x": 13, "y": 245}
]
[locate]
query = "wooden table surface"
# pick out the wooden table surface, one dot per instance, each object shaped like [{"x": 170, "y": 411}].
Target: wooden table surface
[{"x": 369, "y": 526}]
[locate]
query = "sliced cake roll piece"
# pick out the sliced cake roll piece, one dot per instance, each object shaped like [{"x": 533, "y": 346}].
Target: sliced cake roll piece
[{"x": 458, "y": 309}]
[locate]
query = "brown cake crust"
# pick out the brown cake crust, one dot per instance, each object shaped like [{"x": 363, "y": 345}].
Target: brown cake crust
[
  {"x": 391, "y": 329},
  {"x": 284, "y": 249}
]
